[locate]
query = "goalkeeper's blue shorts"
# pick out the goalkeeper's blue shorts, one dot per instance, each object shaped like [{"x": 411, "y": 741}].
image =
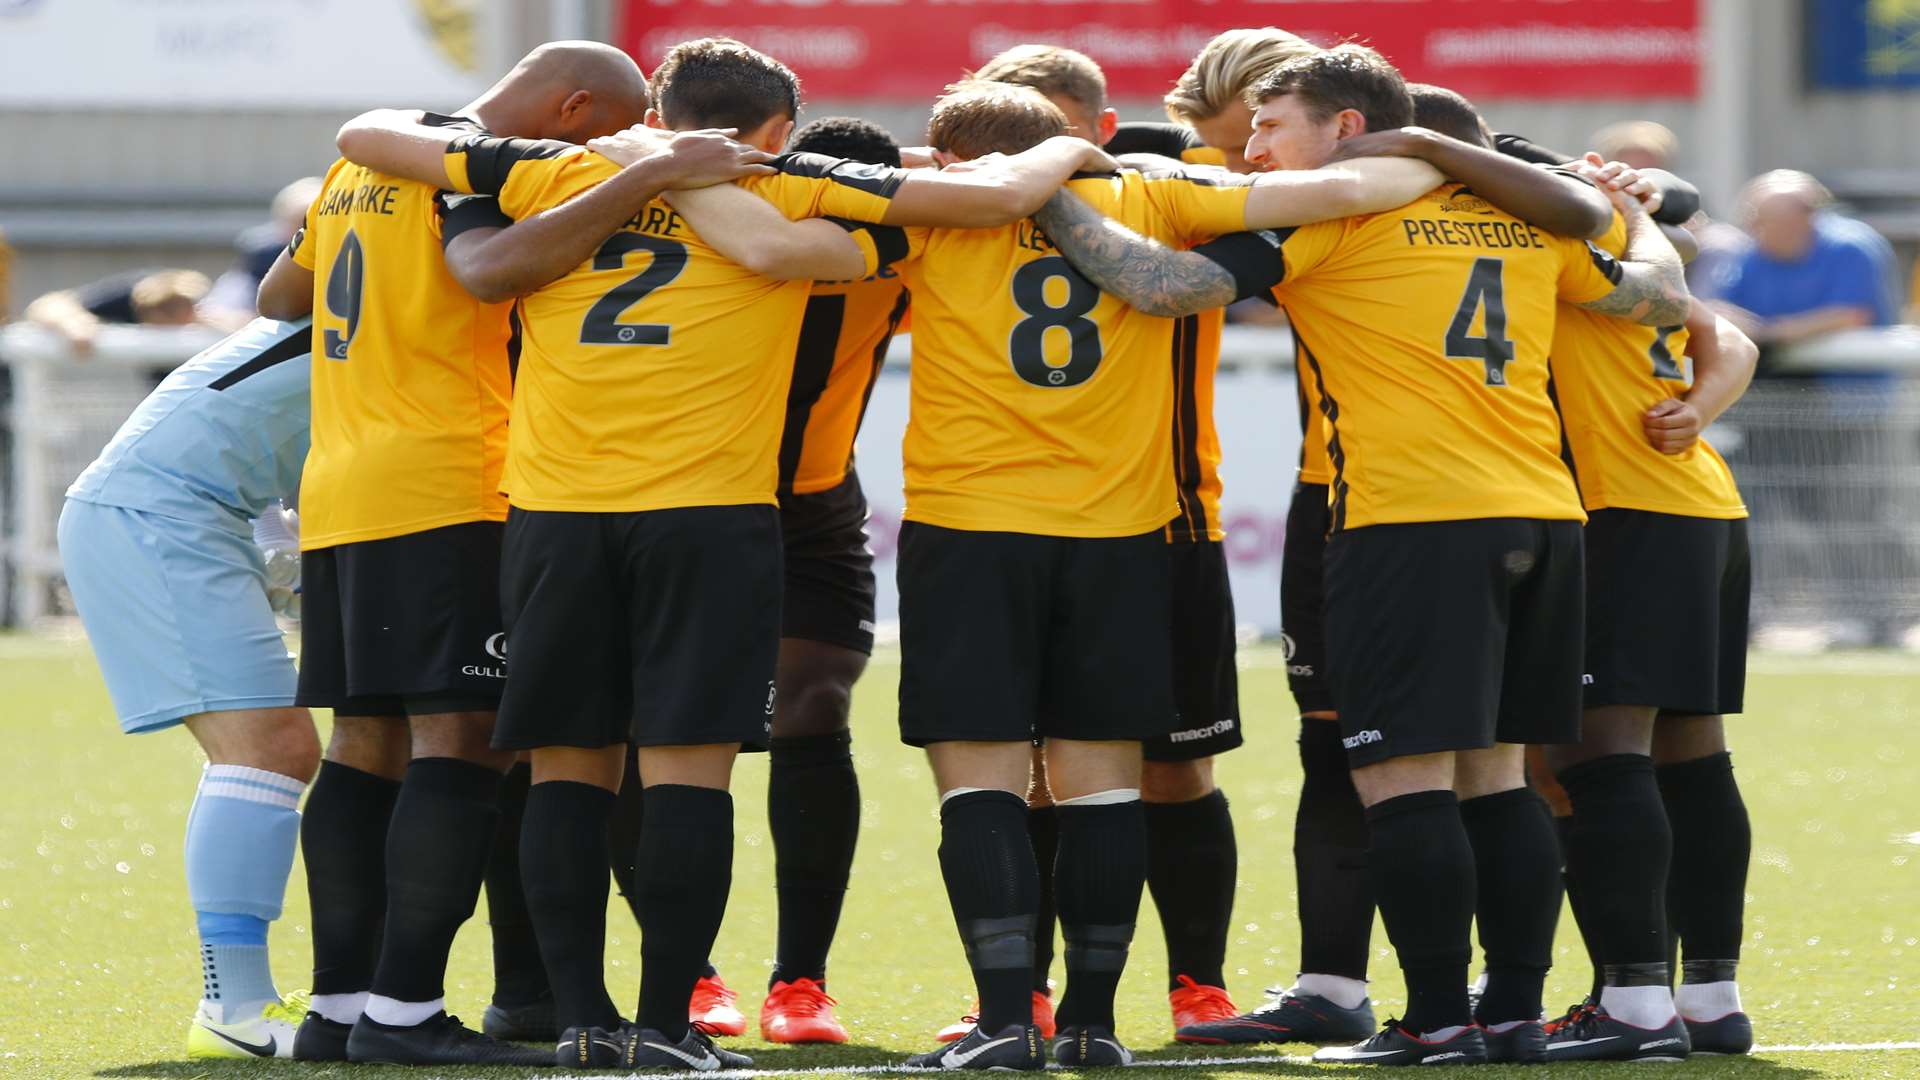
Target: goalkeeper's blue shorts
[{"x": 177, "y": 613}]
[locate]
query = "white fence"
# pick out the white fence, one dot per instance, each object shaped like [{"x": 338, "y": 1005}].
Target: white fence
[{"x": 1830, "y": 468}]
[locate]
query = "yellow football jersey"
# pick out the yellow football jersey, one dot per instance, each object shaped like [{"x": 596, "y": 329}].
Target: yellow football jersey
[
  {"x": 410, "y": 373},
  {"x": 654, "y": 375},
  {"x": 1039, "y": 404},
  {"x": 1606, "y": 373},
  {"x": 1315, "y": 466},
  {"x": 843, "y": 343},
  {"x": 1425, "y": 330},
  {"x": 1196, "y": 439}
]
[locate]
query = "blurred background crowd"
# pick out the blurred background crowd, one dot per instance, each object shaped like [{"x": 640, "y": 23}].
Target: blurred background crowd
[{"x": 157, "y": 192}]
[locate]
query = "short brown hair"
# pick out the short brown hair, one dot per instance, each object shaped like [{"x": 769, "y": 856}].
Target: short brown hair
[
  {"x": 722, "y": 83},
  {"x": 168, "y": 289},
  {"x": 1346, "y": 76},
  {"x": 977, "y": 117},
  {"x": 1449, "y": 113},
  {"x": 1221, "y": 72},
  {"x": 1053, "y": 70}
]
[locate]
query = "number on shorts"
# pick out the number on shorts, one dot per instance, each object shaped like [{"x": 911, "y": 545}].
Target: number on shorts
[
  {"x": 1486, "y": 289},
  {"x": 1664, "y": 365},
  {"x": 602, "y": 325},
  {"x": 344, "y": 283},
  {"x": 1026, "y": 345}
]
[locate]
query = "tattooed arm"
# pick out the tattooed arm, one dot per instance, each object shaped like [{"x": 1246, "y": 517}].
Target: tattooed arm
[
  {"x": 1652, "y": 289},
  {"x": 1154, "y": 278}
]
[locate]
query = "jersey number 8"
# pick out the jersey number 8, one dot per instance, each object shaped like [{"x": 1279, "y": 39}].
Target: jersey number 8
[
  {"x": 602, "y": 326},
  {"x": 1026, "y": 346}
]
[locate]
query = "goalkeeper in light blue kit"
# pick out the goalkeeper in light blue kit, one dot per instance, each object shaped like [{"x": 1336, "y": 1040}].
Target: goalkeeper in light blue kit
[{"x": 158, "y": 539}]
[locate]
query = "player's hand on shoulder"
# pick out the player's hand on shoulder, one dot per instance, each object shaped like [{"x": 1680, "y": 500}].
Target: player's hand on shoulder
[
  {"x": 623, "y": 148},
  {"x": 1619, "y": 177},
  {"x": 1413, "y": 142},
  {"x": 1672, "y": 426},
  {"x": 712, "y": 156}
]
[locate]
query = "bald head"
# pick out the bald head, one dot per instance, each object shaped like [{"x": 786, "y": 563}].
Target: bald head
[{"x": 568, "y": 90}]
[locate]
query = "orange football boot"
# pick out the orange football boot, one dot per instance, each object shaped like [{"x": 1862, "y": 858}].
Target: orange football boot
[
  {"x": 800, "y": 1012},
  {"x": 711, "y": 1008}
]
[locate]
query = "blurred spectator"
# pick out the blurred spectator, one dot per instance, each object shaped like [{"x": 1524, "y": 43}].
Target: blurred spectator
[
  {"x": 231, "y": 299},
  {"x": 1642, "y": 144},
  {"x": 145, "y": 297},
  {"x": 1808, "y": 270}
]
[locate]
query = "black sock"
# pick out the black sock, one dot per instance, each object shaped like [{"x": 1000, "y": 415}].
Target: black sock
[
  {"x": 623, "y": 832},
  {"x": 1712, "y": 842},
  {"x": 436, "y": 855},
  {"x": 1564, "y": 827},
  {"x": 1100, "y": 873},
  {"x": 1330, "y": 858},
  {"x": 1517, "y": 868},
  {"x": 519, "y": 977},
  {"x": 1619, "y": 849},
  {"x": 343, "y": 838},
  {"x": 813, "y": 811},
  {"x": 686, "y": 851},
  {"x": 563, "y": 858},
  {"x": 1043, "y": 825},
  {"x": 993, "y": 884},
  {"x": 1192, "y": 865},
  {"x": 1423, "y": 876}
]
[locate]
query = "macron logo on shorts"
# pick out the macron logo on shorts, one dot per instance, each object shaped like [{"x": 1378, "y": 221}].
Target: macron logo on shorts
[
  {"x": 1219, "y": 727},
  {"x": 1371, "y": 735}
]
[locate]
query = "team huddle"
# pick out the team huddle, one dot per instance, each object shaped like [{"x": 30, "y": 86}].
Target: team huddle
[{"x": 565, "y": 387}]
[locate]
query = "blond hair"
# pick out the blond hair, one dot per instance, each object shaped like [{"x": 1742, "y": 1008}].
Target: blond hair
[
  {"x": 169, "y": 288},
  {"x": 1054, "y": 70},
  {"x": 1226, "y": 66},
  {"x": 976, "y": 117}
]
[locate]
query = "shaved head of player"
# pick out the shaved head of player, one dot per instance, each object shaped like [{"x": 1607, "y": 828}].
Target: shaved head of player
[{"x": 566, "y": 90}]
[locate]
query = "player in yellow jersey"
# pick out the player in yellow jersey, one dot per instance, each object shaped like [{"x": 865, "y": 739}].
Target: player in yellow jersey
[
  {"x": 1666, "y": 530},
  {"x": 1453, "y": 573},
  {"x": 411, "y": 377},
  {"x": 1033, "y": 569},
  {"x": 641, "y": 568}
]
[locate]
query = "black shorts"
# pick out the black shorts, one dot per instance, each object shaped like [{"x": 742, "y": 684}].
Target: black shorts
[
  {"x": 1206, "y": 687},
  {"x": 405, "y": 625},
  {"x": 1303, "y": 599},
  {"x": 1667, "y": 611},
  {"x": 1010, "y": 636},
  {"x": 829, "y": 594},
  {"x": 1455, "y": 635},
  {"x": 659, "y": 628}
]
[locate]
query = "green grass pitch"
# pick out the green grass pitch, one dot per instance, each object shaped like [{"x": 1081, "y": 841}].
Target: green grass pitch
[{"x": 100, "y": 963}]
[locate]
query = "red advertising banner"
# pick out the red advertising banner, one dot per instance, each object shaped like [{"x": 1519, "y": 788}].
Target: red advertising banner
[{"x": 869, "y": 49}]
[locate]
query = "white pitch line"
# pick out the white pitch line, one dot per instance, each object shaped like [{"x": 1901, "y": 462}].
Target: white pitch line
[{"x": 1189, "y": 1063}]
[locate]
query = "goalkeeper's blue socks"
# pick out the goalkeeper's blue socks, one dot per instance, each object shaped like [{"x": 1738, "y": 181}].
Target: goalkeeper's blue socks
[{"x": 240, "y": 841}]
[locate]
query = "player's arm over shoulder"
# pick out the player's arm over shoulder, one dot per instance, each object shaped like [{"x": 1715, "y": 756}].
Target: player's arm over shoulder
[
  {"x": 753, "y": 232},
  {"x": 1647, "y": 284}
]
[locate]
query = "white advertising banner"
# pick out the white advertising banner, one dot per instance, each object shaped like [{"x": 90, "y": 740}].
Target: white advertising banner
[
  {"x": 1258, "y": 414},
  {"x": 241, "y": 53}
]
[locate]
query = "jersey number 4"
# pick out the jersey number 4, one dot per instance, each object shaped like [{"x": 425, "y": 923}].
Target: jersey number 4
[
  {"x": 602, "y": 326},
  {"x": 344, "y": 283},
  {"x": 1486, "y": 290},
  {"x": 1026, "y": 346}
]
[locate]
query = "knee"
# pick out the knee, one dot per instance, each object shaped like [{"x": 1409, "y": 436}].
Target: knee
[
  {"x": 1176, "y": 781},
  {"x": 279, "y": 741},
  {"x": 292, "y": 746},
  {"x": 813, "y": 704},
  {"x": 1678, "y": 738},
  {"x": 466, "y": 736},
  {"x": 371, "y": 744}
]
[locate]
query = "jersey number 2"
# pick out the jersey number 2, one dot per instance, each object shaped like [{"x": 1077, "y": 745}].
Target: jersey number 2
[
  {"x": 1486, "y": 289},
  {"x": 602, "y": 325},
  {"x": 1026, "y": 346},
  {"x": 343, "y": 295}
]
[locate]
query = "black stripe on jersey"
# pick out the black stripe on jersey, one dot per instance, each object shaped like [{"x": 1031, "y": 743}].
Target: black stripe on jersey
[
  {"x": 464, "y": 213},
  {"x": 1147, "y": 137},
  {"x": 513, "y": 343},
  {"x": 1337, "y": 516},
  {"x": 881, "y": 180},
  {"x": 490, "y": 160},
  {"x": 1300, "y": 399},
  {"x": 880, "y": 355},
  {"x": 812, "y": 366},
  {"x": 1566, "y": 447},
  {"x": 288, "y": 348},
  {"x": 1608, "y": 265},
  {"x": 1253, "y": 259},
  {"x": 889, "y": 241},
  {"x": 1186, "y": 427}
]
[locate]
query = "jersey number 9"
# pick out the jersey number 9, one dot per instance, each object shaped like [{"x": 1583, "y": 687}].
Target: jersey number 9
[
  {"x": 1026, "y": 346},
  {"x": 602, "y": 326},
  {"x": 344, "y": 282}
]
